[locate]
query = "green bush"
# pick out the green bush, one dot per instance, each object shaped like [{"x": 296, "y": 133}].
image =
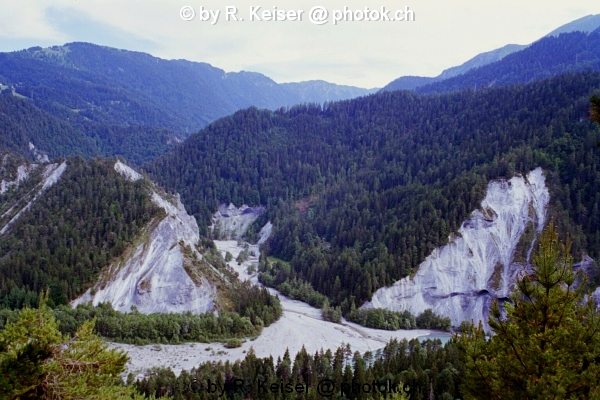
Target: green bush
[{"x": 233, "y": 343}]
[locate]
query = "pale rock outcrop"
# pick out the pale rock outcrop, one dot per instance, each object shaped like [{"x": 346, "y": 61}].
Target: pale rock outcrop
[
  {"x": 50, "y": 175},
  {"x": 151, "y": 275},
  {"x": 232, "y": 222},
  {"x": 39, "y": 156},
  {"x": 127, "y": 172},
  {"x": 459, "y": 279},
  {"x": 265, "y": 233},
  {"x": 23, "y": 172}
]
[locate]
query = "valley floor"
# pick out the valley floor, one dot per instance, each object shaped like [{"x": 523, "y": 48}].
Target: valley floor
[{"x": 300, "y": 325}]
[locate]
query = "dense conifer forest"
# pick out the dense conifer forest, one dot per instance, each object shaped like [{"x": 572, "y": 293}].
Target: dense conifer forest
[
  {"x": 543, "y": 345},
  {"x": 413, "y": 369},
  {"x": 361, "y": 191},
  {"x": 531, "y": 343},
  {"x": 77, "y": 227},
  {"x": 65, "y": 133},
  {"x": 22, "y": 123}
]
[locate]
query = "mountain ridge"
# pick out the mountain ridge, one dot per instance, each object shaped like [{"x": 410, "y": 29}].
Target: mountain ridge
[
  {"x": 191, "y": 93},
  {"x": 585, "y": 24},
  {"x": 547, "y": 57}
]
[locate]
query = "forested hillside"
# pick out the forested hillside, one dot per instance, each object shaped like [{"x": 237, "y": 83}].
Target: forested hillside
[
  {"x": 414, "y": 82},
  {"x": 549, "y": 56},
  {"x": 126, "y": 88},
  {"x": 586, "y": 24},
  {"x": 361, "y": 191},
  {"x": 22, "y": 123},
  {"x": 79, "y": 224},
  {"x": 74, "y": 226},
  {"x": 64, "y": 134},
  {"x": 89, "y": 100}
]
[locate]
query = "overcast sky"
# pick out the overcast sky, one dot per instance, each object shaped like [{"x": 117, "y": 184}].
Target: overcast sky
[{"x": 359, "y": 53}]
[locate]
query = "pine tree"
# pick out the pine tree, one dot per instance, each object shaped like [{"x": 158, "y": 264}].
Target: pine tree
[
  {"x": 347, "y": 385},
  {"x": 547, "y": 346},
  {"x": 360, "y": 372},
  {"x": 36, "y": 361}
]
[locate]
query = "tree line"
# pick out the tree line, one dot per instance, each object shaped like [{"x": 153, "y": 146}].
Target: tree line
[{"x": 252, "y": 309}]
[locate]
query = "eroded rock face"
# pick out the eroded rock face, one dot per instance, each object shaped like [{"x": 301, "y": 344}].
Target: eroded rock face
[
  {"x": 22, "y": 175},
  {"x": 39, "y": 156},
  {"x": 265, "y": 233},
  {"x": 50, "y": 175},
  {"x": 127, "y": 172},
  {"x": 459, "y": 279},
  {"x": 231, "y": 222},
  {"x": 151, "y": 275}
]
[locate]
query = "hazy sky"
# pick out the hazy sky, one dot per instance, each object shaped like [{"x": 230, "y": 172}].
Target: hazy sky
[{"x": 360, "y": 53}]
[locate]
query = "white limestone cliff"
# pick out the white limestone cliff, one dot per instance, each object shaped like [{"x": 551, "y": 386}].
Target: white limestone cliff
[
  {"x": 232, "y": 222},
  {"x": 459, "y": 279},
  {"x": 151, "y": 275}
]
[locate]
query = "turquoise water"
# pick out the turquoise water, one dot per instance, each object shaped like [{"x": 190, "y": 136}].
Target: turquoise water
[{"x": 443, "y": 336}]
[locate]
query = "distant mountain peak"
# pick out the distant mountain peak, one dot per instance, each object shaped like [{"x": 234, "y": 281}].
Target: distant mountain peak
[{"x": 588, "y": 24}]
